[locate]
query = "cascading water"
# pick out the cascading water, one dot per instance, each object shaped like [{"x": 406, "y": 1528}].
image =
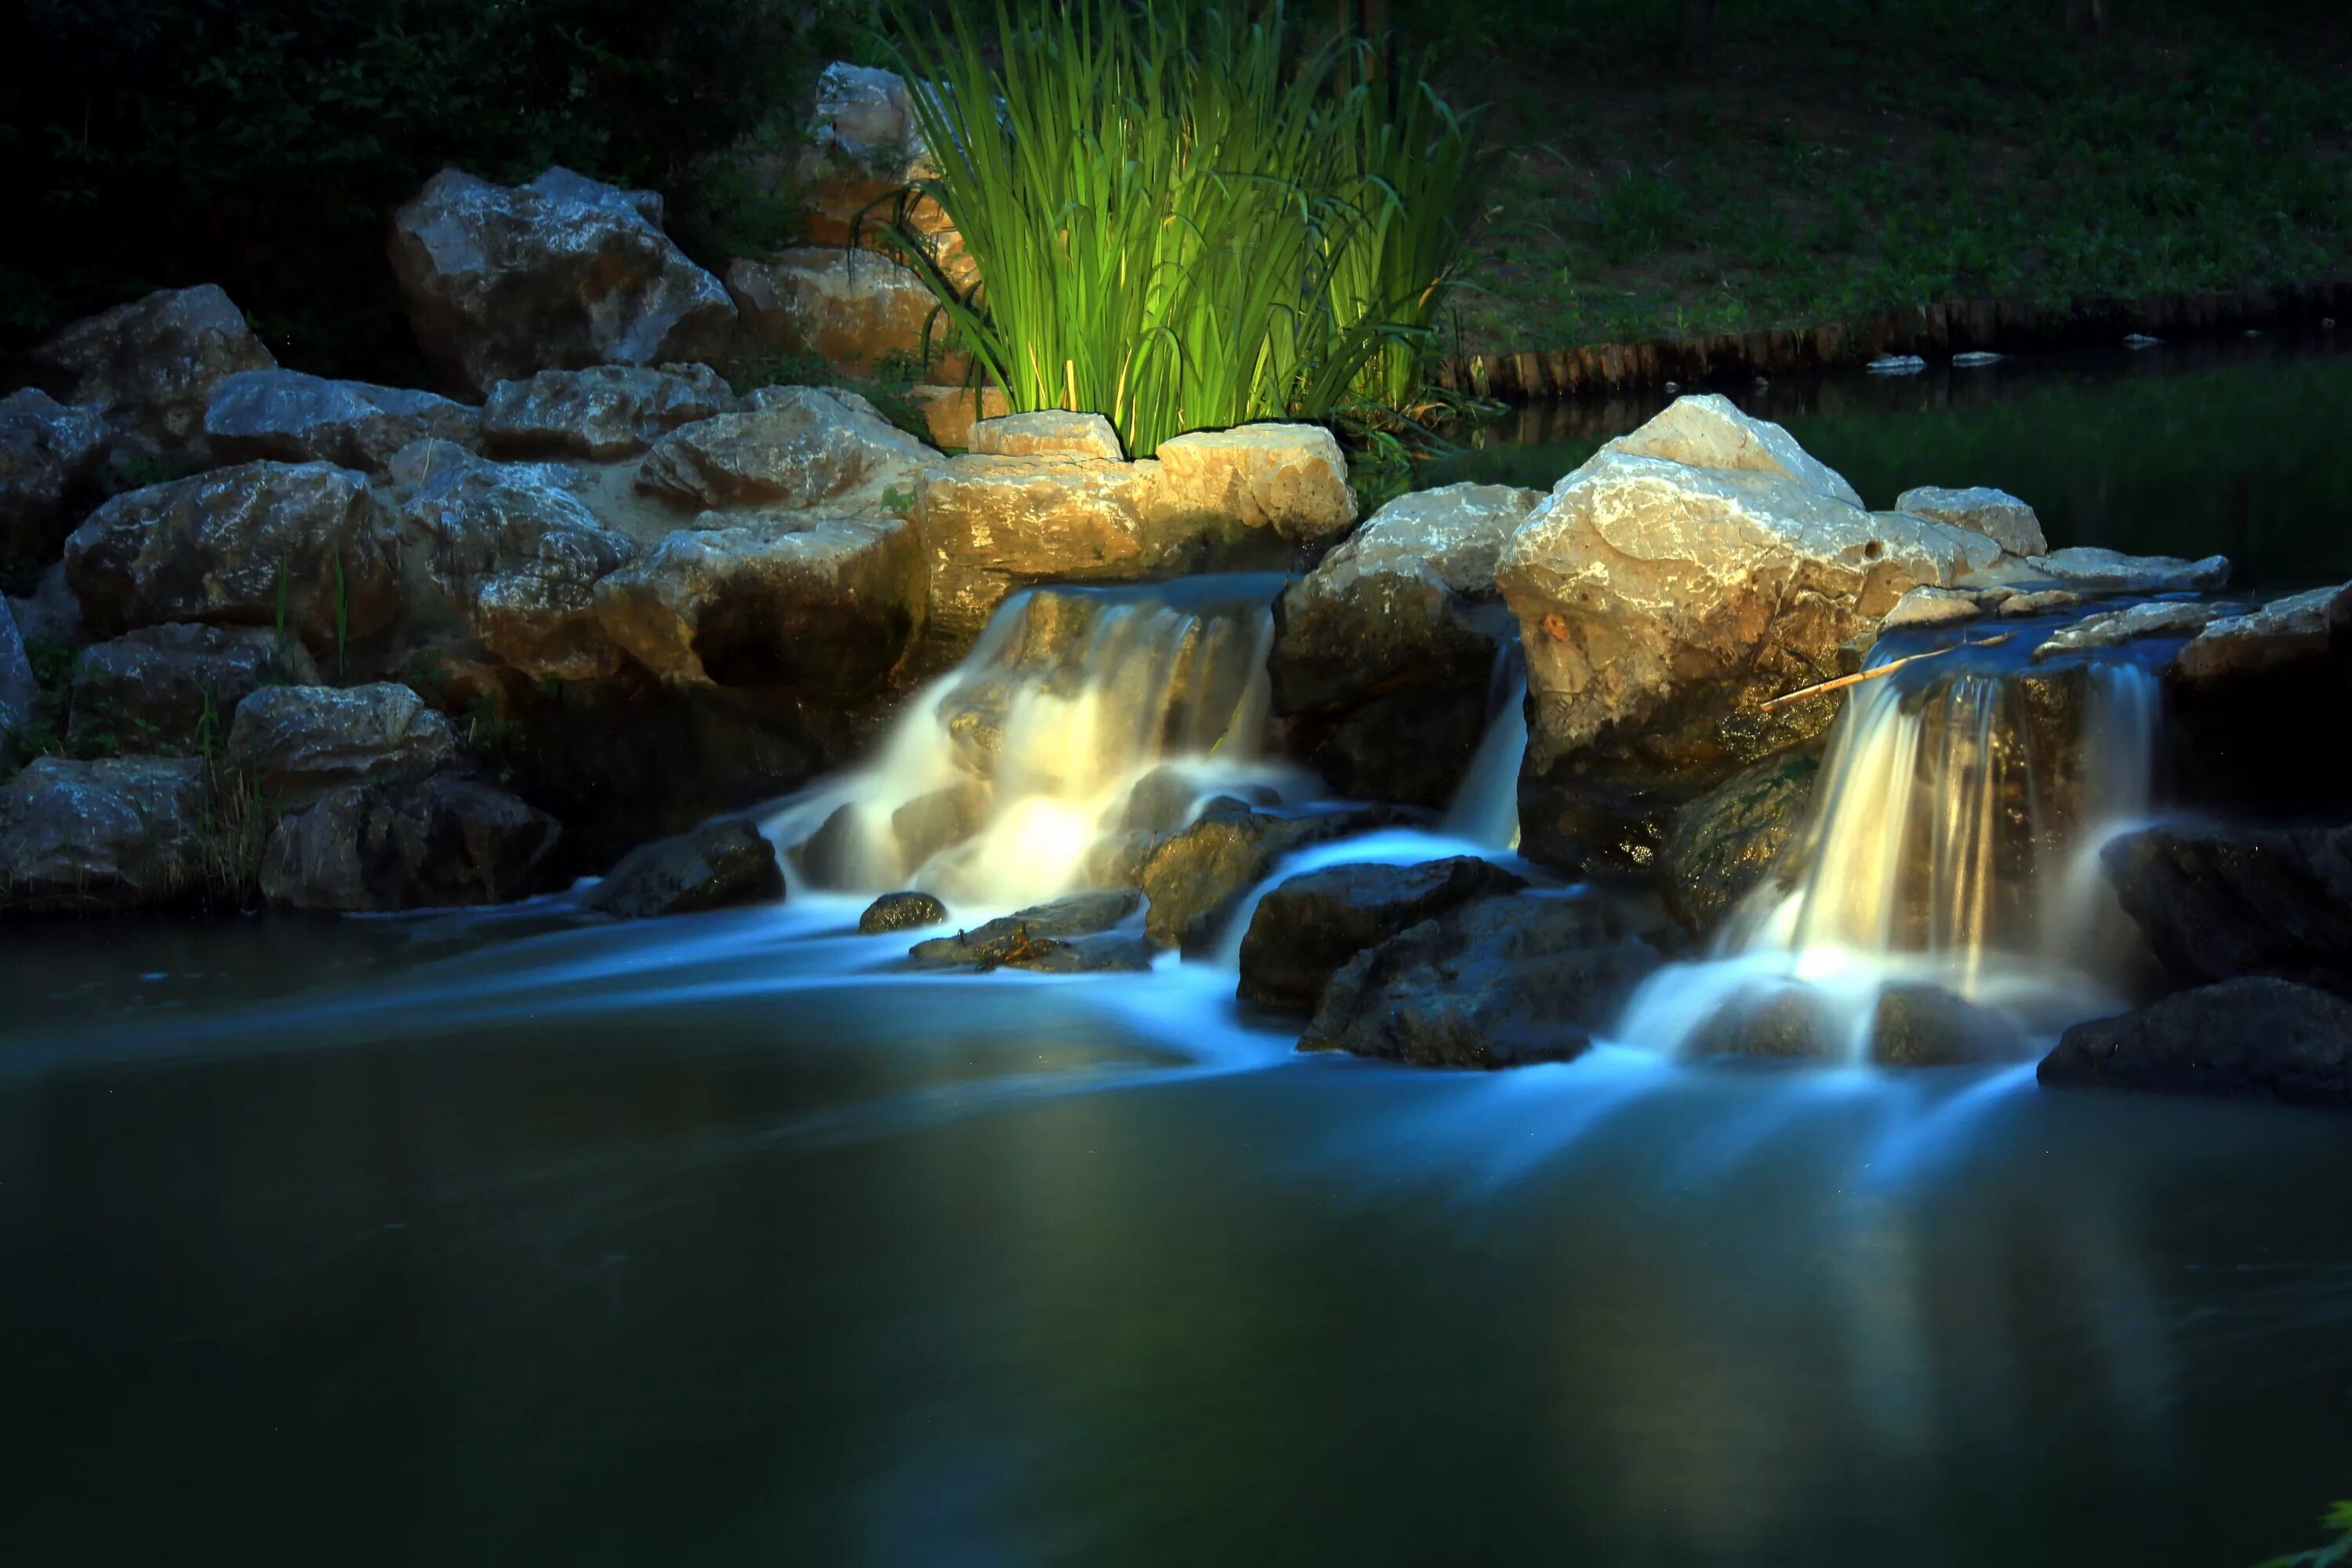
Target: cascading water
[
  {"x": 1951, "y": 843},
  {"x": 1485, "y": 808},
  {"x": 1083, "y": 717}
]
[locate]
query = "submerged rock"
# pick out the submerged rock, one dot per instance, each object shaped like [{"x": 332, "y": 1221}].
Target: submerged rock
[
  {"x": 1064, "y": 936},
  {"x": 1197, "y": 878},
  {"x": 151, "y": 367},
  {"x": 1778, "y": 1022},
  {"x": 901, "y": 911},
  {"x": 2255, "y": 1036},
  {"x": 295, "y": 745},
  {"x": 118, "y": 833},
  {"x": 2218, "y": 902},
  {"x": 1998, "y": 515},
  {"x": 284, "y": 415},
  {"x": 1722, "y": 844},
  {"x": 717, "y": 866},
  {"x": 435, "y": 843},
  {"x": 603, "y": 412},
  {"x": 1927, "y": 1026},
  {"x": 176, "y": 688},
  {"x": 49, "y": 454},
  {"x": 1498, "y": 981},
  {"x": 502, "y": 281},
  {"x": 1305, "y": 928},
  {"x": 795, "y": 447}
]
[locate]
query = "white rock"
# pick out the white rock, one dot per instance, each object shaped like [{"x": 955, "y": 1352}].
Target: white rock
[
  {"x": 2280, "y": 632},
  {"x": 1996, "y": 514},
  {"x": 2112, "y": 628},
  {"x": 1707, "y": 431}
]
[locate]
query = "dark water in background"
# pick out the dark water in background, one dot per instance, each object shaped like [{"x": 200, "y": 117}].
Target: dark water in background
[{"x": 2242, "y": 446}]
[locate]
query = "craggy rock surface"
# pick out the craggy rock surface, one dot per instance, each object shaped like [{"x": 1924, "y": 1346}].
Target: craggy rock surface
[
  {"x": 2217, "y": 903},
  {"x": 502, "y": 281},
  {"x": 291, "y": 417},
  {"x": 2113, "y": 628},
  {"x": 2261, "y": 714},
  {"x": 1305, "y": 928},
  {"x": 216, "y": 546},
  {"x": 2108, "y": 571},
  {"x": 1500, "y": 982},
  {"x": 176, "y": 688},
  {"x": 118, "y": 833},
  {"x": 1291, "y": 480},
  {"x": 901, "y": 911},
  {"x": 442, "y": 841},
  {"x": 1932, "y": 607},
  {"x": 1048, "y": 433},
  {"x": 795, "y": 447},
  {"x": 1385, "y": 654},
  {"x": 716, "y": 866},
  {"x": 1927, "y": 1026},
  {"x": 297, "y": 743},
  {"x": 151, "y": 367},
  {"x": 603, "y": 412},
  {"x": 1998, "y": 515},
  {"x": 49, "y": 453},
  {"x": 1723, "y": 845},
  {"x": 1066, "y": 936},
  {"x": 2255, "y": 1036},
  {"x": 1708, "y": 431},
  {"x": 1197, "y": 878},
  {"x": 2283, "y": 632},
  {"x": 848, "y": 307}
]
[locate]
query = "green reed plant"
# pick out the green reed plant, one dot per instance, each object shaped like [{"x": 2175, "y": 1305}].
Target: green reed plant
[{"x": 1182, "y": 217}]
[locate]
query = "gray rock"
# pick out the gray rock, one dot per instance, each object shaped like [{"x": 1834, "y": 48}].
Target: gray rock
[
  {"x": 1197, "y": 878},
  {"x": 1720, "y": 846},
  {"x": 50, "y": 613},
  {"x": 2218, "y": 902},
  {"x": 1029, "y": 938},
  {"x": 174, "y": 690},
  {"x": 218, "y": 547},
  {"x": 1497, "y": 983},
  {"x": 2238, "y": 645},
  {"x": 49, "y": 453},
  {"x": 2256, "y": 1037},
  {"x": 116, "y": 834},
  {"x": 901, "y": 911},
  {"x": 502, "y": 281},
  {"x": 295, "y": 745},
  {"x": 20, "y": 693},
  {"x": 2111, "y": 572},
  {"x": 1996, "y": 514},
  {"x": 717, "y": 866},
  {"x": 602, "y": 412},
  {"x": 1927, "y": 1026},
  {"x": 798, "y": 447},
  {"x": 286, "y": 416},
  {"x": 1305, "y": 929},
  {"x": 151, "y": 366},
  {"x": 431, "y": 843},
  {"x": 2113, "y": 628}
]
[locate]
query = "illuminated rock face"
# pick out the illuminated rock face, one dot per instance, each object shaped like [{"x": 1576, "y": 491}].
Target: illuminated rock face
[
  {"x": 1048, "y": 433},
  {"x": 285, "y": 417},
  {"x": 794, "y": 447},
  {"x": 1996, "y": 514},
  {"x": 851, "y": 309},
  {"x": 601, "y": 413},
  {"x": 151, "y": 367}
]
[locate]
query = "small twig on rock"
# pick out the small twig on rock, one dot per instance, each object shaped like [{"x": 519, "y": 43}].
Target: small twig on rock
[{"x": 1889, "y": 668}]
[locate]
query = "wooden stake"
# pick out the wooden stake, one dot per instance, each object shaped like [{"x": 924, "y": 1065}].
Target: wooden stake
[{"x": 1889, "y": 668}]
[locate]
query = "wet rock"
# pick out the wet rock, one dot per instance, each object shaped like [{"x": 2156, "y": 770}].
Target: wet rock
[
  {"x": 1932, "y": 607},
  {"x": 510, "y": 554},
  {"x": 1049, "y": 432},
  {"x": 49, "y": 454},
  {"x": 430, "y": 843},
  {"x": 2217, "y": 903},
  {"x": 297, "y": 743},
  {"x": 1305, "y": 928},
  {"x": 2255, "y": 1037},
  {"x": 1291, "y": 480},
  {"x": 175, "y": 688},
  {"x": 502, "y": 281},
  {"x": 946, "y": 816},
  {"x": 119, "y": 833},
  {"x": 1996, "y": 514},
  {"x": 1030, "y": 938},
  {"x": 1927, "y": 1026},
  {"x": 1161, "y": 801},
  {"x": 826, "y": 604},
  {"x": 1783, "y": 1023},
  {"x": 2261, "y": 714},
  {"x": 2238, "y": 645},
  {"x": 1385, "y": 654},
  {"x": 901, "y": 911},
  {"x": 284, "y": 415},
  {"x": 851, "y": 309},
  {"x": 796, "y": 446},
  {"x": 2113, "y": 628},
  {"x": 1708, "y": 431},
  {"x": 20, "y": 692},
  {"x": 1196, "y": 878},
  {"x": 1497, "y": 983},
  {"x": 603, "y": 412},
  {"x": 1722, "y": 844},
  {"x": 151, "y": 367},
  {"x": 2047, "y": 601},
  {"x": 219, "y": 546},
  {"x": 2111, "y": 572},
  {"x": 716, "y": 866}
]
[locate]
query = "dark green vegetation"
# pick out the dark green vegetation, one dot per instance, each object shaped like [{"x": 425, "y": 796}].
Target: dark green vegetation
[
  {"x": 260, "y": 145},
  {"x": 1186, "y": 219},
  {"x": 1831, "y": 158},
  {"x": 2337, "y": 1523}
]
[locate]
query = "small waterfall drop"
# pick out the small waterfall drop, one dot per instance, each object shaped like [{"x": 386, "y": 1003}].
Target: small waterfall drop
[
  {"x": 1485, "y": 807},
  {"x": 1085, "y": 720},
  {"x": 1951, "y": 842}
]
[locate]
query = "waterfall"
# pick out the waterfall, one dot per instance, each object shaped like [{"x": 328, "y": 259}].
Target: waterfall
[
  {"x": 1084, "y": 721},
  {"x": 1951, "y": 841},
  {"x": 1485, "y": 806}
]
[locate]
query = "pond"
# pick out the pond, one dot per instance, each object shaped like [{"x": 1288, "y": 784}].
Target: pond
[{"x": 507, "y": 1237}]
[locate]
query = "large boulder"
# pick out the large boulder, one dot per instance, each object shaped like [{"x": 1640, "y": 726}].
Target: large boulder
[
  {"x": 443, "y": 841},
  {"x": 239, "y": 547},
  {"x": 1385, "y": 654},
  {"x": 1722, "y": 844},
  {"x": 291, "y": 417},
  {"x": 603, "y": 412},
  {"x": 795, "y": 447},
  {"x": 825, "y": 604},
  {"x": 115, "y": 834},
  {"x": 1068, "y": 935},
  {"x": 296, "y": 744},
  {"x": 864, "y": 155},
  {"x": 2217, "y": 903},
  {"x": 175, "y": 688},
  {"x": 563, "y": 272},
  {"x": 2261, "y": 709},
  {"x": 1303, "y": 931},
  {"x": 1998, "y": 515},
  {"x": 49, "y": 453},
  {"x": 1197, "y": 878},
  {"x": 151, "y": 367},
  {"x": 2282, "y": 633},
  {"x": 852, "y": 309},
  {"x": 1927, "y": 1026},
  {"x": 1290, "y": 479},
  {"x": 717, "y": 866},
  {"x": 2256, "y": 1037},
  {"x": 1707, "y": 430},
  {"x": 1500, "y": 982},
  {"x": 510, "y": 554}
]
